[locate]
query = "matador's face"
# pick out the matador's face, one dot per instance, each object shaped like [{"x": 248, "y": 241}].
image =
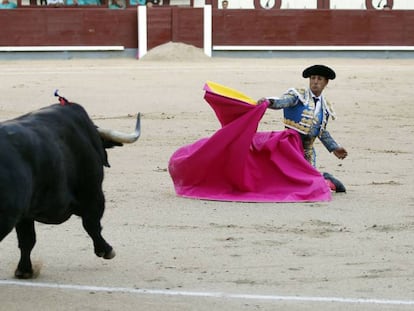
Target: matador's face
[{"x": 317, "y": 84}]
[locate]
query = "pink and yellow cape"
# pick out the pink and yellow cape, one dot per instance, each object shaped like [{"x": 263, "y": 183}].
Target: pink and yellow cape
[{"x": 237, "y": 163}]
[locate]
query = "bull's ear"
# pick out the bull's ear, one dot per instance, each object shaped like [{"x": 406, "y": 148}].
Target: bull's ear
[
  {"x": 105, "y": 159},
  {"x": 110, "y": 144}
]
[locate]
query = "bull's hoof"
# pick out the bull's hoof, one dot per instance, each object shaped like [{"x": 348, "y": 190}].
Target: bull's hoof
[
  {"x": 107, "y": 255},
  {"x": 23, "y": 274}
]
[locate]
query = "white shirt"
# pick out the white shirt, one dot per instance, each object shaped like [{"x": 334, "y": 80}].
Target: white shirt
[{"x": 318, "y": 104}]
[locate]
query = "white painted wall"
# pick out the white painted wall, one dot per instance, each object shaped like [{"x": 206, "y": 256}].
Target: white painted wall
[
  {"x": 299, "y": 4},
  {"x": 360, "y": 4},
  {"x": 349, "y": 4},
  {"x": 403, "y": 5},
  {"x": 199, "y": 3},
  {"x": 239, "y": 4},
  {"x": 295, "y": 4},
  {"x": 312, "y": 4}
]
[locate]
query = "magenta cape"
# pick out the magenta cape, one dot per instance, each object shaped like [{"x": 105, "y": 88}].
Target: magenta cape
[{"x": 238, "y": 164}]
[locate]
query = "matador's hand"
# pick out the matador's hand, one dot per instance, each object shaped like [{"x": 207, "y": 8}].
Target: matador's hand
[
  {"x": 263, "y": 101},
  {"x": 340, "y": 153}
]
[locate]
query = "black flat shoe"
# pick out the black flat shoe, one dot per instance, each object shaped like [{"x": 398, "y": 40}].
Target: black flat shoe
[{"x": 338, "y": 186}]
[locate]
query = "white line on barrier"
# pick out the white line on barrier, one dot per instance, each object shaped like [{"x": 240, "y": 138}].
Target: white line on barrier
[
  {"x": 208, "y": 29},
  {"x": 84, "y": 48},
  {"x": 142, "y": 291},
  {"x": 320, "y": 48},
  {"x": 142, "y": 31}
]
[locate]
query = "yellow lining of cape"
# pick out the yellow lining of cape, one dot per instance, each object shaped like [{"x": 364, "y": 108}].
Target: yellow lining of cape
[{"x": 229, "y": 92}]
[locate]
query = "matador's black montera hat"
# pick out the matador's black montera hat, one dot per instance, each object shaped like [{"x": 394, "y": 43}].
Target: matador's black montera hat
[{"x": 319, "y": 70}]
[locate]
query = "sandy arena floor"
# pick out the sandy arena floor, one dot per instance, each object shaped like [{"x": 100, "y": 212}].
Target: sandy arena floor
[{"x": 198, "y": 255}]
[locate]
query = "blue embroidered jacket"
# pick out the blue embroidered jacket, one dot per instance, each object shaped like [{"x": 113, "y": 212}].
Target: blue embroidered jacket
[{"x": 299, "y": 114}]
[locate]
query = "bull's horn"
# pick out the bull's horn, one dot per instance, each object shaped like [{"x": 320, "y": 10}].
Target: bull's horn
[{"x": 121, "y": 137}]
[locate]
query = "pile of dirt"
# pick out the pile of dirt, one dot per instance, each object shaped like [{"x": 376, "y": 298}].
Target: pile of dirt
[{"x": 175, "y": 51}]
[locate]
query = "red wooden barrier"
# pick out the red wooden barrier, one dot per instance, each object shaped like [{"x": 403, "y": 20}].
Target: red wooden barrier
[{"x": 42, "y": 26}]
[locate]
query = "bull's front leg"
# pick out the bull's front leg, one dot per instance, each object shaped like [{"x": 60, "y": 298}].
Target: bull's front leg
[
  {"x": 93, "y": 227},
  {"x": 26, "y": 237}
]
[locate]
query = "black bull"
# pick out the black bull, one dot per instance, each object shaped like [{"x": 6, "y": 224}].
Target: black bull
[{"x": 51, "y": 167}]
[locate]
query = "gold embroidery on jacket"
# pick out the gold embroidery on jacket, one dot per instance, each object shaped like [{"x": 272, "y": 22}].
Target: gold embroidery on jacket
[{"x": 308, "y": 119}]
